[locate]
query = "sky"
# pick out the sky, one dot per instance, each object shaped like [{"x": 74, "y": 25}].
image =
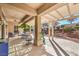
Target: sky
[{"x": 64, "y": 22}]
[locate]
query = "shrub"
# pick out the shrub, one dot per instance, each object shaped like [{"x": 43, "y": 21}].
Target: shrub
[
  {"x": 68, "y": 29},
  {"x": 25, "y": 27},
  {"x": 77, "y": 27}
]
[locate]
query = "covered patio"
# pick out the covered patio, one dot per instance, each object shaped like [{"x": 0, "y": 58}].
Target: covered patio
[{"x": 37, "y": 21}]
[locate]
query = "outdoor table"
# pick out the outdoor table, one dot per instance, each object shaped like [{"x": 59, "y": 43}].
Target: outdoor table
[{"x": 26, "y": 37}]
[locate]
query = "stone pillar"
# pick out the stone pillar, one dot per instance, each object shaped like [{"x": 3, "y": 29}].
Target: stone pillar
[
  {"x": 37, "y": 40},
  {"x": 11, "y": 27},
  {"x": 51, "y": 29},
  {"x": 53, "y": 22},
  {"x": 3, "y": 31},
  {"x": 4, "y": 34}
]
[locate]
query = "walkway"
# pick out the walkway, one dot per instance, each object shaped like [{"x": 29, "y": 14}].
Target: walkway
[
  {"x": 61, "y": 47},
  {"x": 72, "y": 48}
]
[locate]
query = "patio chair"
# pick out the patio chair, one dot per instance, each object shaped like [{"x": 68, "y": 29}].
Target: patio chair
[
  {"x": 10, "y": 34},
  {"x": 27, "y": 37}
]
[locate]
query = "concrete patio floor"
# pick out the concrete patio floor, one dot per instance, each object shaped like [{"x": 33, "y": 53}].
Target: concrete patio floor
[
  {"x": 18, "y": 47},
  {"x": 53, "y": 47}
]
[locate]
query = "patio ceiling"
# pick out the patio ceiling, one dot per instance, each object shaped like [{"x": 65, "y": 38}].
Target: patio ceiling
[
  {"x": 67, "y": 12},
  {"x": 23, "y": 12},
  {"x": 19, "y": 11}
]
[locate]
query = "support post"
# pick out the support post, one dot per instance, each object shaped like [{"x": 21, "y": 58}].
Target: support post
[
  {"x": 50, "y": 29},
  {"x": 3, "y": 31},
  {"x": 37, "y": 40}
]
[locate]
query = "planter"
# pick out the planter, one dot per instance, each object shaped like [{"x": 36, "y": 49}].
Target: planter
[{"x": 3, "y": 48}]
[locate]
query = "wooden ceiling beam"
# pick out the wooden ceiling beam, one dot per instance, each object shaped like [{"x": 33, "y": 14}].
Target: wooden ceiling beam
[
  {"x": 44, "y": 9},
  {"x": 29, "y": 19},
  {"x": 26, "y": 19},
  {"x": 68, "y": 9}
]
